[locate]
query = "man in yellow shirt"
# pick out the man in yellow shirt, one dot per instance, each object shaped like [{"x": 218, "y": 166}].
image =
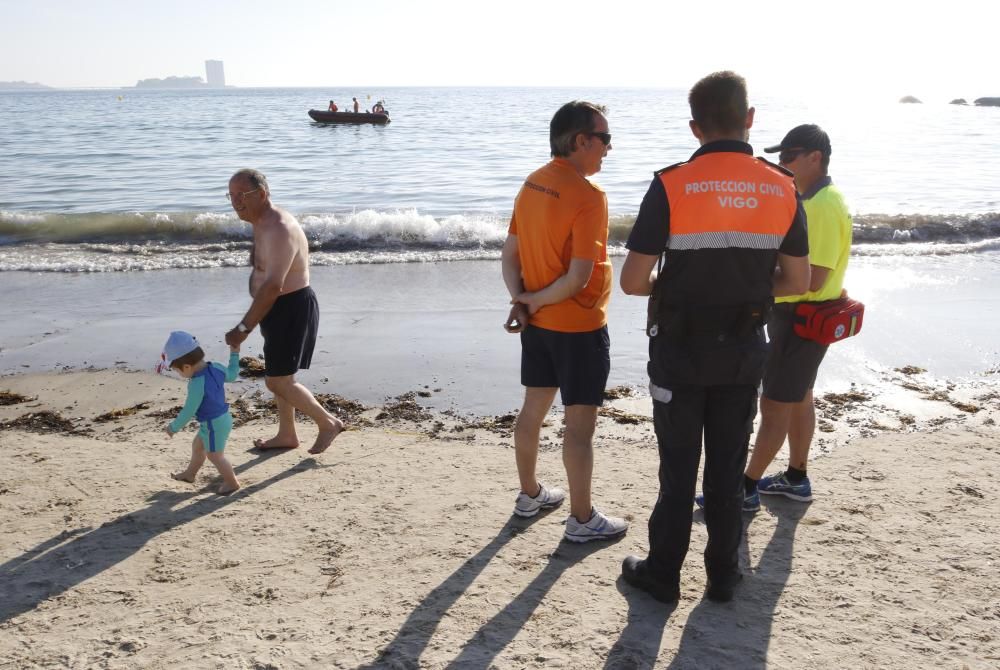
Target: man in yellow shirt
[
  {"x": 556, "y": 268},
  {"x": 786, "y": 406}
]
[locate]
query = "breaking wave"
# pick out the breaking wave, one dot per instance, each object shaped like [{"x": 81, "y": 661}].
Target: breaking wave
[{"x": 117, "y": 242}]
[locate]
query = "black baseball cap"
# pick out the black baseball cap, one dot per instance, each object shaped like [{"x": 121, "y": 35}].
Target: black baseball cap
[{"x": 807, "y": 136}]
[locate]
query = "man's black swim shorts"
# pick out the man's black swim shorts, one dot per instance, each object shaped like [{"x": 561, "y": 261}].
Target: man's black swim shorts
[{"x": 289, "y": 331}]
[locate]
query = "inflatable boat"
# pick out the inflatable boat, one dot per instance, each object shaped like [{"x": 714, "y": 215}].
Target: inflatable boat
[{"x": 348, "y": 117}]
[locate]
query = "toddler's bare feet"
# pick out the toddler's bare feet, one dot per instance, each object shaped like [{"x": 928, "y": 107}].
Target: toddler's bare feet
[
  {"x": 326, "y": 437},
  {"x": 226, "y": 490},
  {"x": 183, "y": 477}
]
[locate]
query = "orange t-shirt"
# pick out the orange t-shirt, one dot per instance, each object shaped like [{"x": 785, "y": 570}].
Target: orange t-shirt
[{"x": 560, "y": 215}]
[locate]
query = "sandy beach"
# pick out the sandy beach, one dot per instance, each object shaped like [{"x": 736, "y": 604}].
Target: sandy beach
[{"x": 397, "y": 548}]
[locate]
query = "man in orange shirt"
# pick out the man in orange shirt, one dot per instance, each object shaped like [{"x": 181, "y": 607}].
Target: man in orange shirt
[{"x": 556, "y": 268}]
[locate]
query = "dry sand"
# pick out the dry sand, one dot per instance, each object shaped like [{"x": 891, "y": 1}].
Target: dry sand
[{"x": 396, "y": 548}]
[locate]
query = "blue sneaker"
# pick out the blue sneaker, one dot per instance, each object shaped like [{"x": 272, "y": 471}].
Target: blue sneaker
[
  {"x": 778, "y": 485},
  {"x": 751, "y": 503}
]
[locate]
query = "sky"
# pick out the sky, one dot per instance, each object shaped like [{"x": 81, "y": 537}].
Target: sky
[{"x": 933, "y": 50}]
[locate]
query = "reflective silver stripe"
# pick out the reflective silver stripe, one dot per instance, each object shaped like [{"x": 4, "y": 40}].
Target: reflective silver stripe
[
  {"x": 724, "y": 240},
  {"x": 659, "y": 393}
]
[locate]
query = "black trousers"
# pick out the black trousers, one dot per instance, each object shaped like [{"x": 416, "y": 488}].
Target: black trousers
[{"x": 724, "y": 415}]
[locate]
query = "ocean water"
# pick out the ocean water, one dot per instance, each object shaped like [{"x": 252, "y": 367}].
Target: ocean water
[
  {"x": 125, "y": 180},
  {"x": 115, "y": 229}
]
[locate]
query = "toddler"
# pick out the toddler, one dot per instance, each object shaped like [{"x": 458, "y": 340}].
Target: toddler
[{"x": 206, "y": 401}]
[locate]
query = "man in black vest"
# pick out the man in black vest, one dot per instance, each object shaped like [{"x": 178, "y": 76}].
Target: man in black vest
[{"x": 732, "y": 234}]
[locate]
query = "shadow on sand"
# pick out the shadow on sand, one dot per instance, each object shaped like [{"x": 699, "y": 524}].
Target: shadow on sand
[
  {"x": 74, "y": 556},
  {"x": 730, "y": 635},
  {"x": 405, "y": 649}
]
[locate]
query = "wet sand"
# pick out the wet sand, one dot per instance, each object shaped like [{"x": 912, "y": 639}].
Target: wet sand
[{"x": 389, "y": 329}]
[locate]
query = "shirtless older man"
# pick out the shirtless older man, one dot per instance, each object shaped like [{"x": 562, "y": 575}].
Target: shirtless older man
[{"x": 284, "y": 306}]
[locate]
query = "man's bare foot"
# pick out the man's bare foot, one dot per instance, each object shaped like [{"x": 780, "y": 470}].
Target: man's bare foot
[
  {"x": 226, "y": 490},
  {"x": 326, "y": 437},
  {"x": 275, "y": 443},
  {"x": 182, "y": 477}
]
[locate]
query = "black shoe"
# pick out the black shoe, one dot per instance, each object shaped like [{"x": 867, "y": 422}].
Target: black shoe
[
  {"x": 721, "y": 590},
  {"x": 635, "y": 572}
]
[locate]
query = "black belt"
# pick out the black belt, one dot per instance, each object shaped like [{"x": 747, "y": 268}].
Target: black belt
[{"x": 719, "y": 322}]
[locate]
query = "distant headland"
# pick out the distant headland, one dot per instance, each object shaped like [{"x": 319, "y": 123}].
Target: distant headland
[
  {"x": 22, "y": 85},
  {"x": 214, "y": 73},
  {"x": 172, "y": 82}
]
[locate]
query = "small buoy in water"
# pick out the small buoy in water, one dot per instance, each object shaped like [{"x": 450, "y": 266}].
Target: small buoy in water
[{"x": 120, "y": 98}]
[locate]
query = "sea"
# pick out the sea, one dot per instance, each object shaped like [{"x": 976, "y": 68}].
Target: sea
[
  {"x": 113, "y": 216},
  {"x": 131, "y": 179}
]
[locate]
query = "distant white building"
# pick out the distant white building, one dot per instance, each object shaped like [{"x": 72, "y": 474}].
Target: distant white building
[{"x": 215, "y": 76}]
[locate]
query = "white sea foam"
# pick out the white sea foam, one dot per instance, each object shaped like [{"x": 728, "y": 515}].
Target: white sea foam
[
  {"x": 403, "y": 227},
  {"x": 130, "y": 241},
  {"x": 21, "y": 218},
  {"x": 926, "y": 249}
]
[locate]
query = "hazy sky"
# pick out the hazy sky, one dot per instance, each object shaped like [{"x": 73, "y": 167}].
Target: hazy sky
[{"x": 931, "y": 50}]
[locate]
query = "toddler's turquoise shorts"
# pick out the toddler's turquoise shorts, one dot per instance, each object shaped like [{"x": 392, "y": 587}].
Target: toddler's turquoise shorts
[{"x": 215, "y": 432}]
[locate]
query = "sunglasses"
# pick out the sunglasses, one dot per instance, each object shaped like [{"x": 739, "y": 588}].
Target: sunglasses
[
  {"x": 788, "y": 155},
  {"x": 605, "y": 138}
]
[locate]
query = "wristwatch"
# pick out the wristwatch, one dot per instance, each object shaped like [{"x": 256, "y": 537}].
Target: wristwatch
[{"x": 242, "y": 328}]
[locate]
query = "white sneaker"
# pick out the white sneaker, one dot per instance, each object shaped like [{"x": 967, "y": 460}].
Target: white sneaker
[
  {"x": 527, "y": 506},
  {"x": 598, "y": 527}
]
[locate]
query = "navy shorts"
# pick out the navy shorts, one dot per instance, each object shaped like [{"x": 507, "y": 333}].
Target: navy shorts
[
  {"x": 577, "y": 363},
  {"x": 289, "y": 331},
  {"x": 793, "y": 361}
]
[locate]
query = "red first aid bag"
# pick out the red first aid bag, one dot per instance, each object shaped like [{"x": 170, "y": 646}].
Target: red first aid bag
[{"x": 830, "y": 321}]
